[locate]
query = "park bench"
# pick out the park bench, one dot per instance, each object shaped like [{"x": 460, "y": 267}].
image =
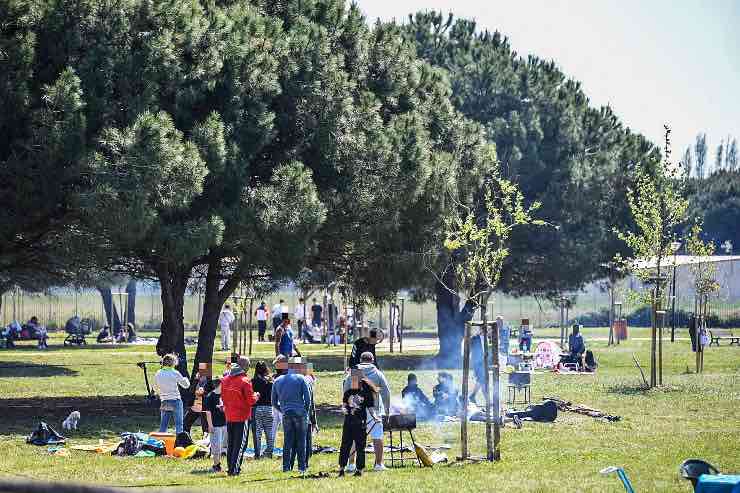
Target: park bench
[{"x": 716, "y": 335}]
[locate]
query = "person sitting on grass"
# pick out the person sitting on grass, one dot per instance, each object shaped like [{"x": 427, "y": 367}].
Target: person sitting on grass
[
  {"x": 415, "y": 400},
  {"x": 576, "y": 347},
  {"x": 103, "y": 335},
  {"x": 167, "y": 382},
  {"x": 214, "y": 409},
  {"x": 445, "y": 395}
]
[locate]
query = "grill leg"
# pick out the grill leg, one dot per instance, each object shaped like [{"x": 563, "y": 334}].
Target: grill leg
[
  {"x": 413, "y": 442},
  {"x": 393, "y": 459},
  {"x": 400, "y": 433}
]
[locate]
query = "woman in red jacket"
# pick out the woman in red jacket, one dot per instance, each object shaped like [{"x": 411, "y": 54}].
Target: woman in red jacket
[{"x": 238, "y": 398}]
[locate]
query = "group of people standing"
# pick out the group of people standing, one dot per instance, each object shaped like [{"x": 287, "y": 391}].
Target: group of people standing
[
  {"x": 235, "y": 405},
  {"x": 310, "y": 321}
]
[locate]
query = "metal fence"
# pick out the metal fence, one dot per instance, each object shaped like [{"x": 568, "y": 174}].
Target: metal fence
[{"x": 589, "y": 306}]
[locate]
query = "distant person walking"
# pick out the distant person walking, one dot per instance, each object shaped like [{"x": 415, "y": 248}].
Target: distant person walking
[
  {"x": 277, "y": 315},
  {"x": 238, "y": 398},
  {"x": 262, "y": 313},
  {"x": 284, "y": 340},
  {"x": 332, "y": 318},
  {"x": 316, "y": 310},
  {"x": 292, "y": 397},
  {"x": 300, "y": 317},
  {"x": 168, "y": 381},
  {"x": 225, "y": 319}
]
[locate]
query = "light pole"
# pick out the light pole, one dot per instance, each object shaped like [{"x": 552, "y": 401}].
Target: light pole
[
  {"x": 400, "y": 325},
  {"x": 675, "y": 246}
]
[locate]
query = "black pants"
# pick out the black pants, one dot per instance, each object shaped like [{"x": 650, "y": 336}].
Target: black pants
[
  {"x": 353, "y": 431},
  {"x": 261, "y": 329},
  {"x": 238, "y": 435},
  {"x": 191, "y": 417}
]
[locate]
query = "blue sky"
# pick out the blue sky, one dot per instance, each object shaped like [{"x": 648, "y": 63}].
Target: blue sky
[{"x": 653, "y": 61}]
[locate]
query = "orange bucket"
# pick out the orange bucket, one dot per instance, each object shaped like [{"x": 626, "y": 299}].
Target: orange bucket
[{"x": 167, "y": 438}]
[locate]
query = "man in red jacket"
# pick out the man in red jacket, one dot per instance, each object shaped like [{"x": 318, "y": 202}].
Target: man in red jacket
[{"x": 238, "y": 398}]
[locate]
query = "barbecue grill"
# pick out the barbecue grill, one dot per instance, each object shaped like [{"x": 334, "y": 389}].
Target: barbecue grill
[{"x": 400, "y": 423}]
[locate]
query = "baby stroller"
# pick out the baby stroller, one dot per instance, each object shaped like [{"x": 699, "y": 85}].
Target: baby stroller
[{"x": 76, "y": 330}]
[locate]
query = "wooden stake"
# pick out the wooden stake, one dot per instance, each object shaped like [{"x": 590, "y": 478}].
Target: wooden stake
[
  {"x": 464, "y": 412},
  {"x": 487, "y": 380},
  {"x": 251, "y": 305},
  {"x": 496, "y": 392}
]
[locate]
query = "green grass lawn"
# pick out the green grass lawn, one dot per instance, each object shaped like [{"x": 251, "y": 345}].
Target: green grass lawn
[{"x": 692, "y": 416}]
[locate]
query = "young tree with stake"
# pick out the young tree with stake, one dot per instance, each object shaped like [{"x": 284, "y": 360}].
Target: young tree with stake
[
  {"x": 658, "y": 206},
  {"x": 477, "y": 241}
]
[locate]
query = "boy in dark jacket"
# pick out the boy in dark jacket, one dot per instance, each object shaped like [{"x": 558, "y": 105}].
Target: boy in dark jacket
[
  {"x": 445, "y": 395},
  {"x": 415, "y": 400},
  {"x": 355, "y": 404}
]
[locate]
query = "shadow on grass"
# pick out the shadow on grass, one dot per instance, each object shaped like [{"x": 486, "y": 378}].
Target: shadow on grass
[
  {"x": 623, "y": 389},
  {"x": 103, "y": 415},
  {"x": 24, "y": 369},
  {"x": 335, "y": 362},
  {"x": 19, "y": 346},
  {"x": 20, "y": 415}
]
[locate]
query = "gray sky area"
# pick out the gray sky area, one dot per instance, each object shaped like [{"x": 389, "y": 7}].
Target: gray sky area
[{"x": 653, "y": 61}]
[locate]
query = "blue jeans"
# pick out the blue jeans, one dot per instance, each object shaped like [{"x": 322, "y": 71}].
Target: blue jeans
[
  {"x": 165, "y": 416},
  {"x": 295, "y": 429}
]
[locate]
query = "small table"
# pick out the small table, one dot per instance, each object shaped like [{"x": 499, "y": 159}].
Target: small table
[
  {"x": 513, "y": 389},
  {"x": 519, "y": 381}
]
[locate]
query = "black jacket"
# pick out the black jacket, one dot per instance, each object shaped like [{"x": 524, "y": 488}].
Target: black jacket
[{"x": 362, "y": 346}]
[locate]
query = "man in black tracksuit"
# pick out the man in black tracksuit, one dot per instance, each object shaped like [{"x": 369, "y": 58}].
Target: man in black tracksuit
[{"x": 355, "y": 403}]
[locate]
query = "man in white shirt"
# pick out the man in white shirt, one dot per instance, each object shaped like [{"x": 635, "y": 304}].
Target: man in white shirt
[
  {"x": 300, "y": 316},
  {"x": 277, "y": 315},
  {"x": 262, "y": 313},
  {"x": 225, "y": 319}
]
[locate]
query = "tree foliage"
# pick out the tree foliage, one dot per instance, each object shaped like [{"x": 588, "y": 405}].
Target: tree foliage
[
  {"x": 715, "y": 203},
  {"x": 577, "y": 161},
  {"x": 659, "y": 207},
  {"x": 238, "y": 140},
  {"x": 704, "y": 272}
]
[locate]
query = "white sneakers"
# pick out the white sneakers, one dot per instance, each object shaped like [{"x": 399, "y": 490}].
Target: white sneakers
[{"x": 379, "y": 468}]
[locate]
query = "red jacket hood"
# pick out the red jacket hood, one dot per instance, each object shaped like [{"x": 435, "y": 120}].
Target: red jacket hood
[{"x": 238, "y": 397}]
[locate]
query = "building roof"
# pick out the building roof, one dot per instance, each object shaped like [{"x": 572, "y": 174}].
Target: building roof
[{"x": 683, "y": 260}]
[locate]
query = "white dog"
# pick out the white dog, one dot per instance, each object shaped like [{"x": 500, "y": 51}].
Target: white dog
[{"x": 71, "y": 422}]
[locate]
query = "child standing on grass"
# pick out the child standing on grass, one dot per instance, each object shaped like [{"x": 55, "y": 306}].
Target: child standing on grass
[
  {"x": 214, "y": 409},
  {"x": 167, "y": 382},
  {"x": 356, "y": 402}
]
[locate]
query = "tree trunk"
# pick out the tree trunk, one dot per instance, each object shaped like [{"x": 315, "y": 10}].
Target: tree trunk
[
  {"x": 131, "y": 302},
  {"x": 111, "y": 311},
  {"x": 450, "y": 326},
  {"x": 173, "y": 285},
  {"x": 214, "y": 298}
]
